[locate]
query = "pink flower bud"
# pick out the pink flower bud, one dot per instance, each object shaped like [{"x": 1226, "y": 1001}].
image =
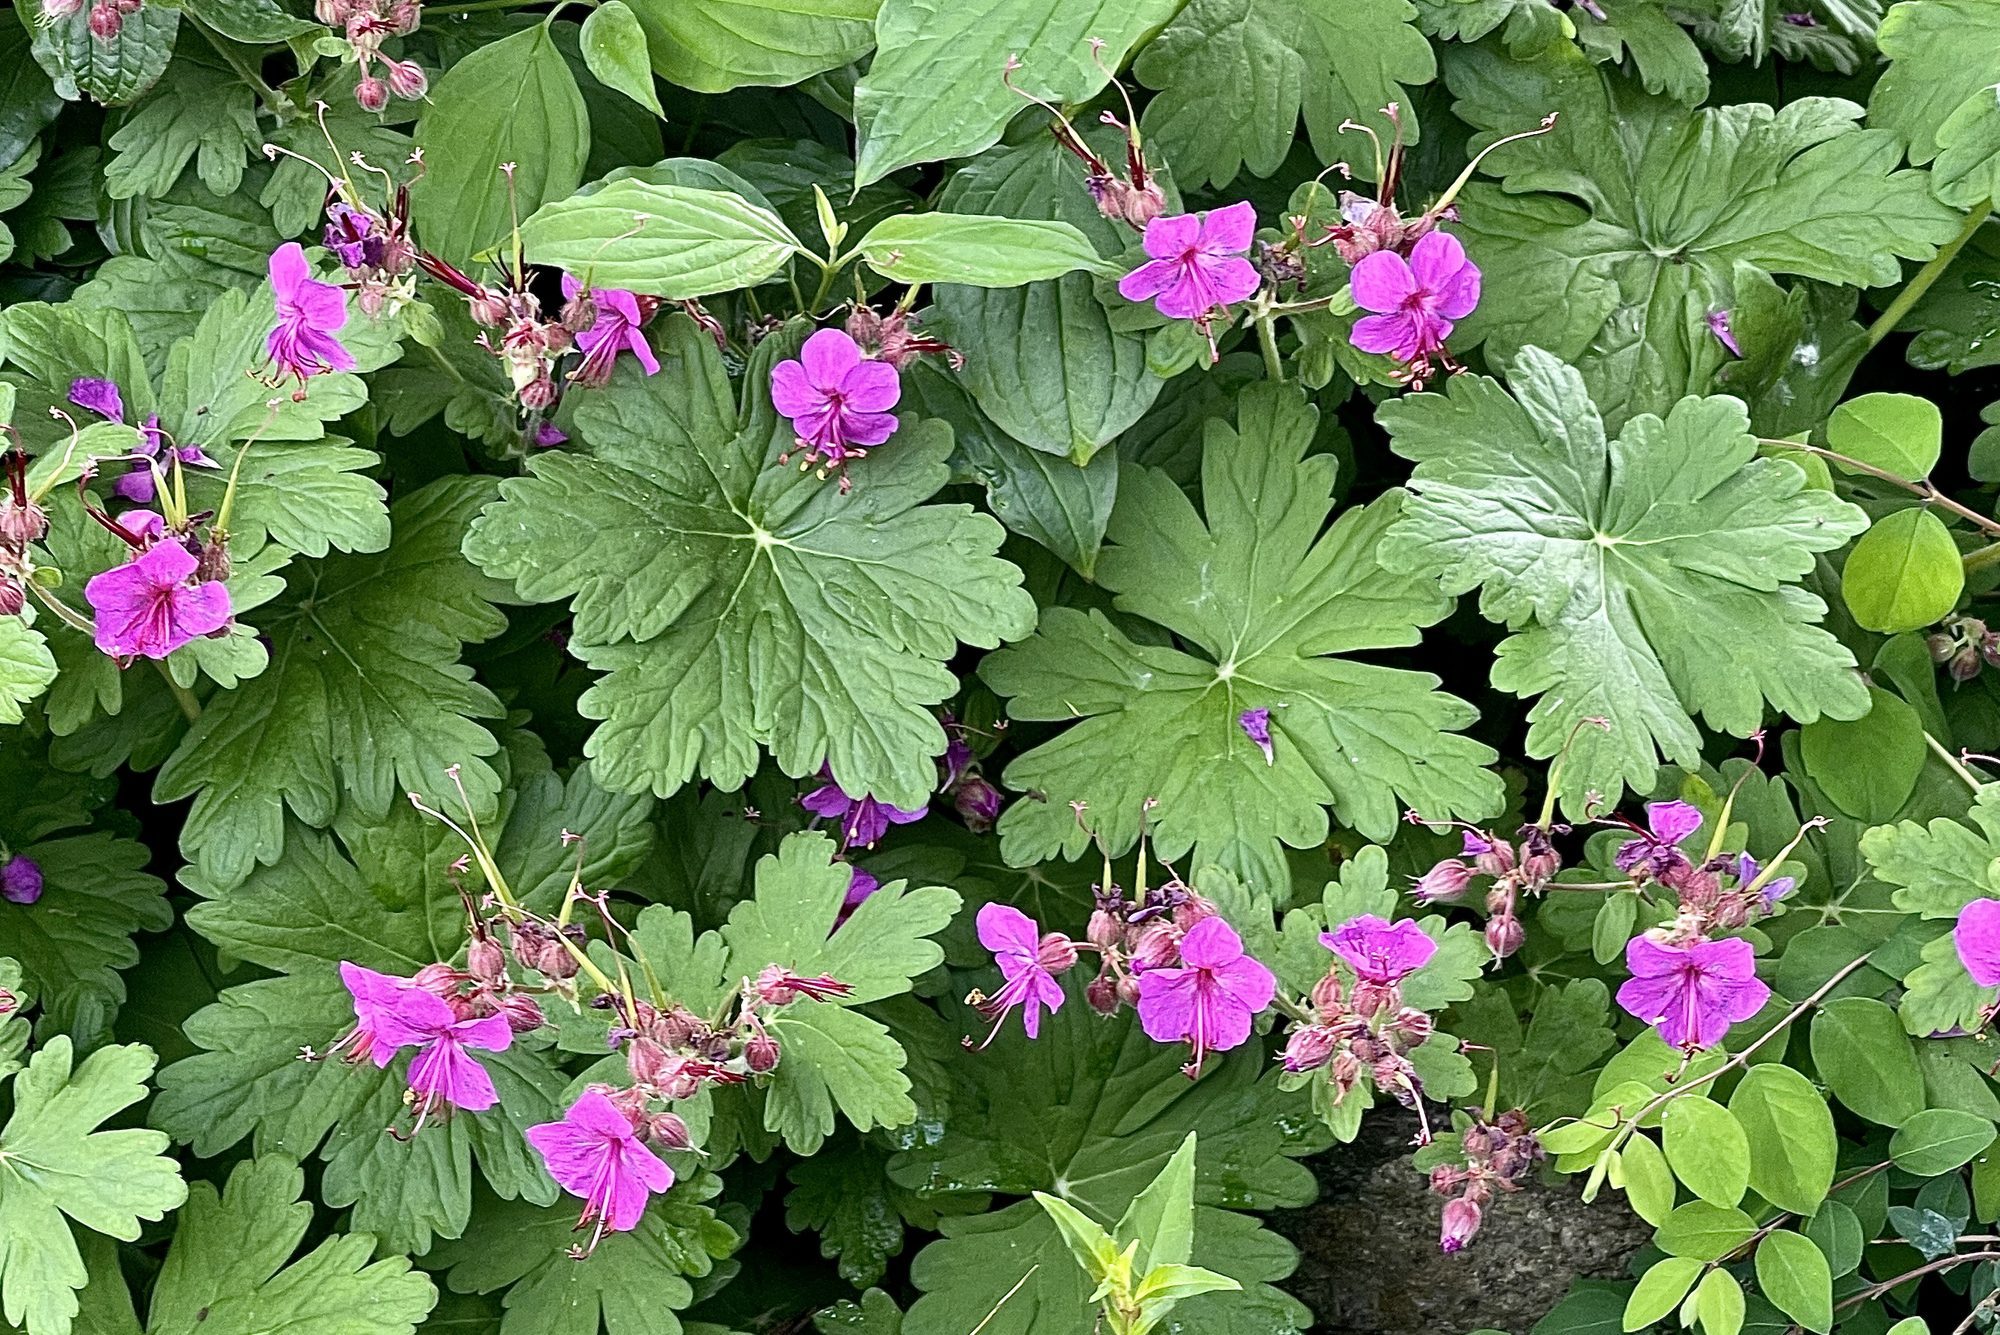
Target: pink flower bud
[
  {"x": 1372, "y": 999},
  {"x": 1496, "y": 860},
  {"x": 13, "y": 595},
  {"x": 57, "y": 10},
  {"x": 372, "y": 94},
  {"x": 760, "y": 1054},
  {"x": 1128, "y": 989},
  {"x": 407, "y": 79},
  {"x": 21, "y": 524},
  {"x": 1505, "y": 935},
  {"x": 1191, "y": 911},
  {"x": 1102, "y": 994},
  {"x": 1327, "y": 995},
  {"x": 1139, "y": 205},
  {"x": 105, "y": 21},
  {"x": 538, "y": 393},
  {"x": 1308, "y": 1049},
  {"x": 977, "y": 803},
  {"x": 1412, "y": 1028},
  {"x": 1056, "y": 954},
  {"x": 647, "y": 1061},
  {"x": 488, "y": 308},
  {"x": 1104, "y": 930},
  {"x": 679, "y": 1078},
  {"x": 1158, "y": 947},
  {"x": 440, "y": 980},
  {"x": 1446, "y": 881},
  {"x": 670, "y": 1131},
  {"x": 524, "y": 1015},
  {"x": 1461, "y": 1221},
  {"x": 1345, "y": 1072},
  {"x": 485, "y": 961}
]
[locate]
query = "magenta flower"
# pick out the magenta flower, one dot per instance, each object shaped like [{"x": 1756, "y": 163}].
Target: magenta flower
[
  {"x": 1773, "y": 890},
  {"x": 1379, "y": 951},
  {"x": 1692, "y": 993},
  {"x": 375, "y": 995},
  {"x": 594, "y": 1153},
  {"x": 309, "y": 315},
  {"x": 1718, "y": 325},
  {"x": 151, "y": 606},
  {"x": 1977, "y": 937},
  {"x": 443, "y": 1072},
  {"x": 863, "y": 820},
  {"x": 548, "y": 435},
  {"x": 615, "y": 330},
  {"x": 20, "y": 879},
  {"x": 1211, "y": 999},
  {"x": 102, "y": 397},
  {"x": 837, "y": 402},
  {"x": 1415, "y": 300},
  {"x": 98, "y": 396},
  {"x": 1256, "y": 725},
  {"x": 1654, "y": 852},
  {"x": 1016, "y": 943},
  {"x": 1197, "y": 263}
]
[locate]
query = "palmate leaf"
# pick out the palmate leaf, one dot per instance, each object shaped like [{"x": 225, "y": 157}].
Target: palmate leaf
[
  {"x": 230, "y": 1270},
  {"x": 364, "y": 698},
  {"x": 1264, "y": 598},
  {"x": 55, "y": 1163},
  {"x": 26, "y": 667},
  {"x": 1944, "y": 58},
  {"x": 74, "y": 940},
  {"x": 734, "y": 602},
  {"x": 1618, "y": 233},
  {"x": 1090, "y": 1112},
  {"x": 1647, "y": 579},
  {"x": 1335, "y": 60}
]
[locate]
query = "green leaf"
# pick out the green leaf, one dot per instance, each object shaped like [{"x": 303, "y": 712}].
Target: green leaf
[
  {"x": 1941, "y": 867},
  {"x": 1266, "y": 597},
  {"x": 230, "y": 1270},
  {"x": 1547, "y": 1067},
  {"x": 55, "y": 1163},
  {"x": 199, "y": 108},
  {"x": 1707, "y": 1149},
  {"x": 1939, "y": 1140},
  {"x": 1704, "y": 1231},
  {"x": 668, "y": 241},
  {"x": 1836, "y": 1231},
  {"x": 1641, "y": 212},
  {"x": 28, "y": 100},
  {"x": 26, "y": 667},
  {"x": 1335, "y": 60},
  {"x": 1790, "y": 1129},
  {"x": 1942, "y": 54},
  {"x": 113, "y": 72},
  {"x": 712, "y": 46},
  {"x": 73, "y": 942},
  {"x": 977, "y": 250},
  {"x": 934, "y": 88},
  {"x": 1869, "y": 766},
  {"x": 1794, "y": 1275},
  {"x": 256, "y": 22},
  {"x": 1718, "y": 1301},
  {"x": 614, "y": 47},
  {"x": 1904, "y": 574},
  {"x": 1897, "y": 432},
  {"x": 1056, "y": 1116},
  {"x": 513, "y": 101},
  {"x": 844, "y": 1194},
  {"x": 1660, "y": 1290},
  {"x": 735, "y": 602},
  {"x": 1861, "y": 1051},
  {"x": 1649, "y": 1186},
  {"x": 1161, "y": 1218},
  {"x": 1599, "y": 553},
  {"x": 1088, "y": 1242}
]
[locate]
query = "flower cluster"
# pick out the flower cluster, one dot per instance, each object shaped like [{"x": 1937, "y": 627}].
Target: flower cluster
[
  {"x": 23, "y": 523},
  {"x": 1500, "y": 1155},
  {"x": 1358, "y": 1026},
  {"x": 1512, "y": 870},
  {"x": 107, "y": 17},
  {"x": 1962, "y": 645},
  {"x": 366, "y": 24}
]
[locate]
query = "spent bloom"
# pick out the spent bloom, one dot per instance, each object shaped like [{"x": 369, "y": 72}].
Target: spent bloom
[
  {"x": 1718, "y": 325},
  {"x": 444, "y": 1072},
  {"x": 615, "y": 329},
  {"x": 102, "y": 397},
  {"x": 1197, "y": 265},
  {"x": 1414, "y": 301},
  {"x": 20, "y": 879},
  {"x": 1692, "y": 993},
  {"x": 593, "y": 1152},
  {"x": 1027, "y": 960},
  {"x": 863, "y": 820},
  {"x": 1748, "y": 869},
  {"x": 310, "y": 313},
  {"x": 1256, "y": 725},
  {"x": 152, "y": 605},
  {"x": 1379, "y": 951},
  {"x": 1977, "y": 936},
  {"x": 837, "y": 401},
  {"x": 1210, "y": 1001},
  {"x": 1654, "y": 855}
]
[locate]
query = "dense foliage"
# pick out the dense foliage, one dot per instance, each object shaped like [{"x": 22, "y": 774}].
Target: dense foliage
[{"x": 716, "y": 665}]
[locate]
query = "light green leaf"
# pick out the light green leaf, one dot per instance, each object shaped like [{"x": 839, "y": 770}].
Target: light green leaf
[
  {"x": 1335, "y": 60},
  {"x": 1088, "y": 1242},
  {"x": 26, "y": 667},
  {"x": 1707, "y": 1149},
  {"x": 512, "y": 101},
  {"x": 1860, "y": 1050},
  {"x": 1718, "y": 1301},
  {"x": 1790, "y": 1128},
  {"x": 1660, "y": 1290},
  {"x": 1794, "y": 1275},
  {"x": 735, "y": 602},
  {"x": 1897, "y": 432},
  {"x": 1939, "y": 1140},
  {"x": 934, "y": 88},
  {"x": 1904, "y": 574},
  {"x": 55, "y": 1163},
  {"x": 667, "y": 241},
  {"x": 712, "y": 46},
  {"x": 1265, "y": 596},
  {"x": 1597, "y": 552},
  {"x": 1649, "y": 1186},
  {"x": 1869, "y": 766},
  {"x": 1704, "y": 1231},
  {"x": 1942, "y": 55},
  {"x": 1161, "y": 1218},
  {"x": 977, "y": 250},
  {"x": 614, "y": 47},
  {"x": 1941, "y": 867}
]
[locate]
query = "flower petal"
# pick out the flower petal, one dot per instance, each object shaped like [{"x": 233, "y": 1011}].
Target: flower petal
[
  {"x": 828, "y": 356},
  {"x": 1230, "y": 229},
  {"x": 1382, "y": 282},
  {"x": 1169, "y": 238}
]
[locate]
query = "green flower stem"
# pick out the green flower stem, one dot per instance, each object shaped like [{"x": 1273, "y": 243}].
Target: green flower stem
[
  {"x": 1267, "y": 339},
  {"x": 190, "y": 707},
  {"x": 1913, "y": 291},
  {"x": 1958, "y": 767},
  {"x": 1922, "y": 487}
]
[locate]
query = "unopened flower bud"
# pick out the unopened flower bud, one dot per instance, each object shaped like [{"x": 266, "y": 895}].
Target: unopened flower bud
[
  {"x": 647, "y": 1061},
  {"x": 105, "y": 21},
  {"x": 1445, "y": 1178},
  {"x": 1965, "y": 664},
  {"x": 977, "y": 803},
  {"x": 1941, "y": 646},
  {"x": 1372, "y": 999},
  {"x": 524, "y": 1014},
  {"x": 21, "y": 524},
  {"x": 1412, "y": 1027},
  {"x": 1308, "y": 1049},
  {"x": 13, "y": 595},
  {"x": 580, "y": 311},
  {"x": 538, "y": 393},
  {"x": 1444, "y": 882},
  {"x": 1102, "y": 994},
  {"x": 488, "y": 308},
  {"x": 1345, "y": 1071},
  {"x": 678, "y": 1079},
  {"x": 1128, "y": 989},
  {"x": 669, "y": 1131},
  {"x": 1461, "y": 1221},
  {"x": 212, "y": 563},
  {"x": 1159, "y": 945},
  {"x": 1104, "y": 930},
  {"x": 674, "y": 1027},
  {"x": 1505, "y": 935},
  {"x": 20, "y": 880},
  {"x": 440, "y": 980},
  {"x": 57, "y": 10},
  {"x": 485, "y": 960},
  {"x": 371, "y": 94},
  {"x": 1989, "y": 649},
  {"x": 1139, "y": 205},
  {"x": 1328, "y": 995},
  {"x": 1057, "y": 953},
  {"x": 407, "y": 79},
  {"x": 760, "y": 1054},
  {"x": 1192, "y": 910},
  {"x": 1494, "y": 858}
]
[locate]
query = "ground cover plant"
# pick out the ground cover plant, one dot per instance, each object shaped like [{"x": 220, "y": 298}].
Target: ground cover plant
[{"x": 718, "y": 666}]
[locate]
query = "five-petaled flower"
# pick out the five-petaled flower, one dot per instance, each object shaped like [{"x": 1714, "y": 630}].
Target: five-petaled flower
[
  {"x": 1654, "y": 853},
  {"x": 310, "y": 313},
  {"x": 863, "y": 820},
  {"x": 1692, "y": 993},
  {"x": 1197, "y": 265},
  {"x": 1414, "y": 301},
  {"x": 152, "y": 605},
  {"x": 1380, "y": 951},
  {"x": 443, "y": 1073},
  {"x": 1023, "y": 955},
  {"x": 837, "y": 401},
  {"x": 1210, "y": 1001},
  {"x": 616, "y": 329},
  {"x": 593, "y": 1152}
]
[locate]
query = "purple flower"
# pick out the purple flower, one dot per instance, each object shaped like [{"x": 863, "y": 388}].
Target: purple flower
[
  {"x": 309, "y": 315},
  {"x": 1416, "y": 300},
  {"x": 1210, "y": 1001},
  {"x": 1718, "y": 325},
  {"x": 1379, "y": 951},
  {"x": 1016, "y": 943},
  {"x": 615, "y": 330},
  {"x": 1197, "y": 263},
  {"x": 1256, "y": 725},
  {"x": 1773, "y": 890},
  {"x": 1693, "y": 993},
  {"x": 148, "y": 607},
  {"x": 837, "y": 402},
  {"x": 98, "y": 396},
  {"x": 548, "y": 435},
  {"x": 375, "y": 995},
  {"x": 1654, "y": 853},
  {"x": 1977, "y": 937},
  {"x": 443, "y": 1071},
  {"x": 861, "y": 883},
  {"x": 102, "y": 398},
  {"x": 20, "y": 879},
  {"x": 863, "y": 820},
  {"x": 594, "y": 1153},
  {"x": 352, "y": 235}
]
